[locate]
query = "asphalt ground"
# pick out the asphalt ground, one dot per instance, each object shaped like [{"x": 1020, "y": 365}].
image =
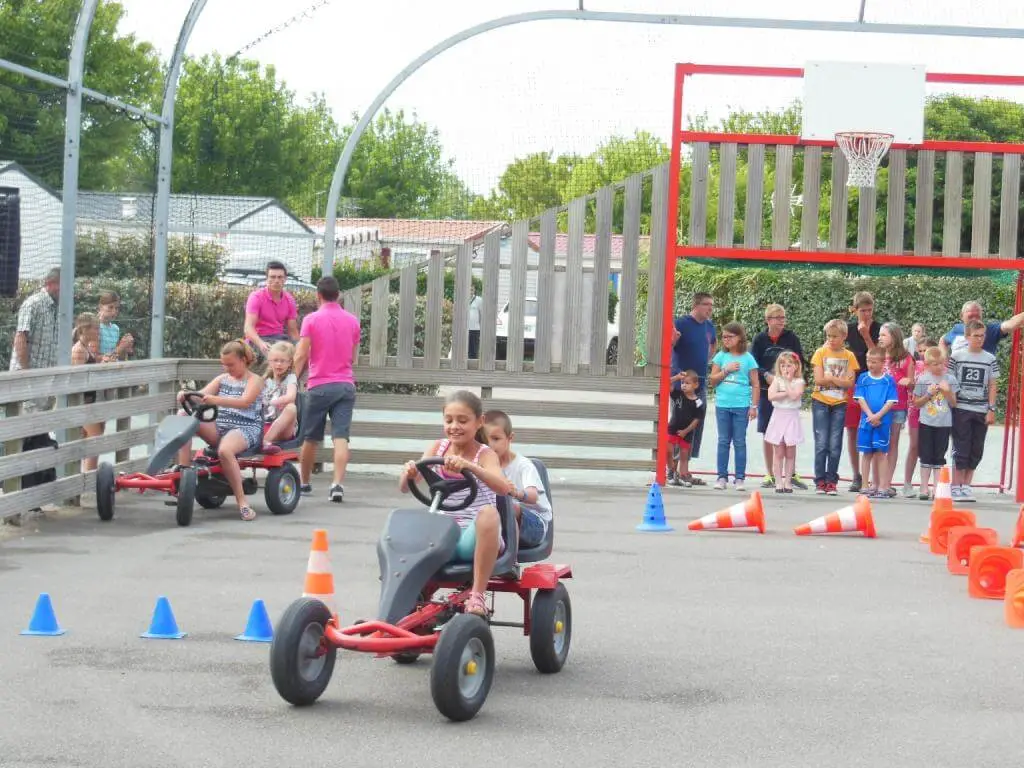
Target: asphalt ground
[{"x": 712, "y": 648}]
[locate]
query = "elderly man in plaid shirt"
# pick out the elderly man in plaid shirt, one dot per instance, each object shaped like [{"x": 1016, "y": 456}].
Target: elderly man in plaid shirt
[{"x": 35, "y": 338}]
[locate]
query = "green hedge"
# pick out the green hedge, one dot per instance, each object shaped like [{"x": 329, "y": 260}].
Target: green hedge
[
  {"x": 201, "y": 318},
  {"x": 813, "y": 297}
]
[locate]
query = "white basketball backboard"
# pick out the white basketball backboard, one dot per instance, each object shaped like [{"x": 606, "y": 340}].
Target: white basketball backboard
[{"x": 851, "y": 96}]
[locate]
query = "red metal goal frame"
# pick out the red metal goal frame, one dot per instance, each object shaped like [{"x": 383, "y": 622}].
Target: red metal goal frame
[{"x": 1014, "y": 421}]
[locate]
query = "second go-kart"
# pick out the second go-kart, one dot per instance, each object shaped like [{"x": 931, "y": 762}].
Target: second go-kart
[
  {"x": 422, "y": 606},
  {"x": 203, "y": 482}
]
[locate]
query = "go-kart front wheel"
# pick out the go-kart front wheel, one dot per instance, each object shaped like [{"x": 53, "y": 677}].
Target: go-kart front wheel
[
  {"x": 282, "y": 489},
  {"x": 187, "y": 483},
  {"x": 106, "y": 487},
  {"x": 300, "y": 670},
  {"x": 550, "y": 628},
  {"x": 463, "y": 669}
]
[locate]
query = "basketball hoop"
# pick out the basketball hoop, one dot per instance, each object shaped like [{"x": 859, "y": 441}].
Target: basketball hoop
[{"x": 864, "y": 150}]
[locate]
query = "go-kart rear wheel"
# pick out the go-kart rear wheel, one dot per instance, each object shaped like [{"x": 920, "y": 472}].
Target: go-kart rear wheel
[
  {"x": 282, "y": 489},
  {"x": 186, "y": 496},
  {"x": 463, "y": 669},
  {"x": 299, "y": 674},
  {"x": 211, "y": 502},
  {"x": 550, "y": 628},
  {"x": 106, "y": 487}
]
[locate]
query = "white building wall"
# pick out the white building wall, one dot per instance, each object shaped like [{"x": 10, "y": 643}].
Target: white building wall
[{"x": 40, "y": 226}]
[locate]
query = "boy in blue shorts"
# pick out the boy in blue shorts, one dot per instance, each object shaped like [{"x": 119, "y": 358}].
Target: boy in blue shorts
[
  {"x": 530, "y": 502},
  {"x": 875, "y": 392}
]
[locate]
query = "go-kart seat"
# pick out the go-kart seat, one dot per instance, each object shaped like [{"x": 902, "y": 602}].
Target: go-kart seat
[
  {"x": 173, "y": 432},
  {"x": 285, "y": 445},
  {"x": 543, "y": 550},
  {"x": 506, "y": 562}
]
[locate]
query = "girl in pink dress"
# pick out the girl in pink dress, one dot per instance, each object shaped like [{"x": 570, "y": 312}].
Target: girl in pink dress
[
  {"x": 900, "y": 365},
  {"x": 784, "y": 429}
]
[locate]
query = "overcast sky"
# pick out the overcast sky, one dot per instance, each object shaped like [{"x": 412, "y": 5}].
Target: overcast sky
[{"x": 561, "y": 85}]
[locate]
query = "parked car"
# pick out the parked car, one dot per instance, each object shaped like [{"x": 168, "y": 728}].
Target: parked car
[{"x": 530, "y": 333}]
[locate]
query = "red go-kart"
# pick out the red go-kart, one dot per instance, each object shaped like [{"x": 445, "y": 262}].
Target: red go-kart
[
  {"x": 203, "y": 482},
  {"x": 422, "y": 601}
]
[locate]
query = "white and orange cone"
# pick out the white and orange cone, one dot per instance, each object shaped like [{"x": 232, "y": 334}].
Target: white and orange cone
[
  {"x": 745, "y": 514},
  {"x": 319, "y": 578},
  {"x": 1018, "y": 533},
  {"x": 856, "y": 517},
  {"x": 943, "y": 492}
]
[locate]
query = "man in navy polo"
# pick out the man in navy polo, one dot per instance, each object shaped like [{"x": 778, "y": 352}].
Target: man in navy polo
[
  {"x": 995, "y": 331},
  {"x": 693, "y": 346}
]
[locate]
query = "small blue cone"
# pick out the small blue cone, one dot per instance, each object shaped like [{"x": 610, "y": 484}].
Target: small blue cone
[
  {"x": 258, "y": 629},
  {"x": 163, "y": 626},
  {"x": 654, "y": 512},
  {"x": 44, "y": 620}
]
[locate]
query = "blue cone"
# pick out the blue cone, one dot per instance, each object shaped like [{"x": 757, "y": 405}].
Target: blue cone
[
  {"x": 163, "y": 626},
  {"x": 654, "y": 512},
  {"x": 44, "y": 620},
  {"x": 258, "y": 629}
]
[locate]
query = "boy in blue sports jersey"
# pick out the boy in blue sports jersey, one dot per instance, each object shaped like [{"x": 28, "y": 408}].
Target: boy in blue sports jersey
[{"x": 876, "y": 393}]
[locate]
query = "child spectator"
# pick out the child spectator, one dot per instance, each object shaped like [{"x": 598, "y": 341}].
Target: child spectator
[
  {"x": 85, "y": 339},
  {"x": 464, "y": 447},
  {"x": 876, "y": 394},
  {"x": 900, "y": 365},
  {"x": 280, "y": 389},
  {"x": 914, "y": 420},
  {"x": 914, "y": 343},
  {"x": 835, "y": 371},
  {"x": 239, "y": 424},
  {"x": 688, "y": 411},
  {"x": 528, "y": 498},
  {"x": 976, "y": 372},
  {"x": 112, "y": 345},
  {"x": 862, "y": 335},
  {"x": 784, "y": 431},
  {"x": 935, "y": 398},
  {"x": 734, "y": 375}
]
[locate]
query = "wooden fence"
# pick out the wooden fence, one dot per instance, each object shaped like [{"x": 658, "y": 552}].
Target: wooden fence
[{"x": 925, "y": 202}]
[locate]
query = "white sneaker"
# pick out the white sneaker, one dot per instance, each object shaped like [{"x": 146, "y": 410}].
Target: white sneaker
[
  {"x": 720, "y": 485},
  {"x": 967, "y": 494},
  {"x": 909, "y": 492},
  {"x": 738, "y": 485},
  {"x": 955, "y": 492}
]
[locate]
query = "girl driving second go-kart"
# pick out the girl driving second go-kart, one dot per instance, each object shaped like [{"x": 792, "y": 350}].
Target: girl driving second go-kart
[
  {"x": 465, "y": 447},
  {"x": 239, "y": 424}
]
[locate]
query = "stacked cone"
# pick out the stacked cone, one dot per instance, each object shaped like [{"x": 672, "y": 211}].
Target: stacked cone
[
  {"x": 745, "y": 514},
  {"x": 855, "y": 518},
  {"x": 1018, "y": 533},
  {"x": 1013, "y": 601},
  {"x": 943, "y": 500},
  {"x": 319, "y": 577}
]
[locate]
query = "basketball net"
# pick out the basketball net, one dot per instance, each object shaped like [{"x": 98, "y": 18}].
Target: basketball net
[{"x": 864, "y": 150}]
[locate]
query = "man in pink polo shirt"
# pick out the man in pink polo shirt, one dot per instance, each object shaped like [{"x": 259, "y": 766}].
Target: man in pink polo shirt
[
  {"x": 329, "y": 343},
  {"x": 271, "y": 313}
]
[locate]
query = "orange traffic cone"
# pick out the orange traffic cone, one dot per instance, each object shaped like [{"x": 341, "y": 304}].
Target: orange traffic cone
[
  {"x": 319, "y": 578},
  {"x": 989, "y": 569},
  {"x": 1018, "y": 533},
  {"x": 856, "y": 517},
  {"x": 943, "y": 492},
  {"x": 745, "y": 514},
  {"x": 1014, "y": 600},
  {"x": 961, "y": 539},
  {"x": 941, "y": 522}
]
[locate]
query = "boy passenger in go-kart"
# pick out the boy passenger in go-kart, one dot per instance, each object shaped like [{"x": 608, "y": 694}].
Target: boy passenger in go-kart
[
  {"x": 239, "y": 424},
  {"x": 465, "y": 447},
  {"x": 529, "y": 501}
]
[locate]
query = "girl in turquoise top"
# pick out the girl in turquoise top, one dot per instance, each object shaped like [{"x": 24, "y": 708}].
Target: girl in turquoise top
[{"x": 734, "y": 377}]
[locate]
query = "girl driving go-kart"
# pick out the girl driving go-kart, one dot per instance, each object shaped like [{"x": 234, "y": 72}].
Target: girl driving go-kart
[
  {"x": 464, "y": 447},
  {"x": 239, "y": 424}
]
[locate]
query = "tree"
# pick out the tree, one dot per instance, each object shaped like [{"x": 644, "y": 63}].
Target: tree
[
  {"x": 399, "y": 171},
  {"x": 127, "y": 256},
  {"x": 37, "y": 34},
  {"x": 240, "y": 131}
]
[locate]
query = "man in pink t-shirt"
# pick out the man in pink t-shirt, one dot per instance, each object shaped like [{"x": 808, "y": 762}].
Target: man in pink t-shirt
[
  {"x": 329, "y": 343},
  {"x": 270, "y": 312}
]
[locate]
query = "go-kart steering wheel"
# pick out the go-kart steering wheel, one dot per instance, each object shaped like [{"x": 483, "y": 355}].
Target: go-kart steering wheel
[
  {"x": 193, "y": 406},
  {"x": 443, "y": 485}
]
